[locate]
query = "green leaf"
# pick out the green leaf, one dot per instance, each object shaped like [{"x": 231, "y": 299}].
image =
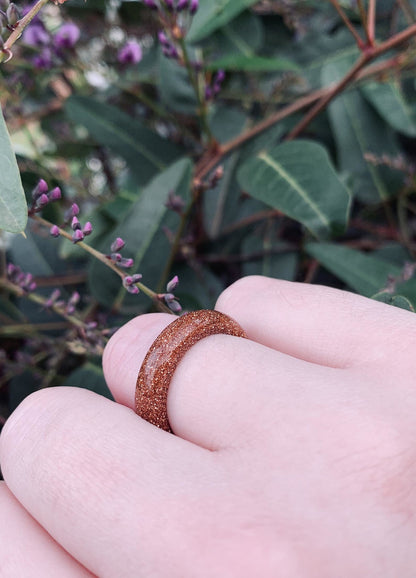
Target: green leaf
[
  {"x": 213, "y": 14},
  {"x": 13, "y": 206},
  {"x": 364, "y": 273},
  {"x": 388, "y": 99},
  {"x": 91, "y": 377},
  {"x": 253, "y": 63},
  {"x": 175, "y": 90},
  {"x": 395, "y": 300},
  {"x": 358, "y": 130},
  {"x": 145, "y": 152},
  {"x": 146, "y": 241},
  {"x": 298, "y": 179}
]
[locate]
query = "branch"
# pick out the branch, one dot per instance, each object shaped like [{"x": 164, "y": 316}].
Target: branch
[{"x": 348, "y": 24}]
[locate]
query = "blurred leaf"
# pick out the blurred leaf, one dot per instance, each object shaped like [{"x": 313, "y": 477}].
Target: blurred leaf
[
  {"x": 359, "y": 130},
  {"x": 242, "y": 36},
  {"x": 269, "y": 257},
  {"x": 91, "y": 377},
  {"x": 175, "y": 90},
  {"x": 20, "y": 387},
  {"x": 396, "y": 300},
  {"x": 13, "y": 206},
  {"x": 298, "y": 179},
  {"x": 145, "y": 152},
  {"x": 212, "y": 14},
  {"x": 388, "y": 99},
  {"x": 141, "y": 230},
  {"x": 199, "y": 288},
  {"x": 253, "y": 63},
  {"x": 364, "y": 273}
]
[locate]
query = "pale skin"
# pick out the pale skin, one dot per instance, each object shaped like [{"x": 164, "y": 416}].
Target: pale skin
[{"x": 294, "y": 452}]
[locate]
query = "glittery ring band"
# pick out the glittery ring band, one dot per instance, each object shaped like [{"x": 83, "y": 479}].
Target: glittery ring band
[{"x": 165, "y": 354}]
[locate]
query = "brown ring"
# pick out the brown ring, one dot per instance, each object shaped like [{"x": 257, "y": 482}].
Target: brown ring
[{"x": 165, "y": 354}]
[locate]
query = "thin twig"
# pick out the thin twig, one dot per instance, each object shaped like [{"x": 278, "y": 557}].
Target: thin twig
[
  {"x": 371, "y": 22},
  {"x": 348, "y": 24}
]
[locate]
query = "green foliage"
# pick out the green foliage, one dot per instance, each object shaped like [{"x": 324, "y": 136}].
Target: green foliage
[
  {"x": 229, "y": 145},
  {"x": 13, "y": 208}
]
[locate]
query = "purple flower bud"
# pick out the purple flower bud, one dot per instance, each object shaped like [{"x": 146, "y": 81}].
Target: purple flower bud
[
  {"x": 126, "y": 263},
  {"x": 137, "y": 277},
  {"x": 42, "y": 201},
  {"x": 12, "y": 14},
  {"x": 133, "y": 289},
  {"x": 87, "y": 229},
  {"x": 208, "y": 93},
  {"x": 71, "y": 212},
  {"x": 150, "y": 4},
  {"x": 52, "y": 298},
  {"x": 168, "y": 297},
  {"x": 74, "y": 299},
  {"x": 31, "y": 287},
  {"x": 173, "y": 283},
  {"x": 127, "y": 281},
  {"x": 54, "y": 231},
  {"x": 43, "y": 60},
  {"x": 75, "y": 209},
  {"x": 55, "y": 194},
  {"x": 174, "y": 306},
  {"x": 40, "y": 189},
  {"x": 163, "y": 39},
  {"x": 67, "y": 36},
  {"x": 116, "y": 257},
  {"x": 77, "y": 236},
  {"x": 130, "y": 53},
  {"x": 193, "y": 7},
  {"x": 11, "y": 270},
  {"x": 220, "y": 77},
  {"x": 75, "y": 224},
  {"x": 169, "y": 5},
  {"x": 36, "y": 35},
  {"x": 117, "y": 245},
  {"x": 182, "y": 5}
]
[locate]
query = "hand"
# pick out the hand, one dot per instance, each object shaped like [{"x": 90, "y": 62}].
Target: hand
[{"x": 294, "y": 454}]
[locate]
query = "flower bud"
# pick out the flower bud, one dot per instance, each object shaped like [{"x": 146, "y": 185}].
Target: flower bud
[
  {"x": 193, "y": 7},
  {"x": 126, "y": 263},
  {"x": 12, "y": 14},
  {"x": 117, "y": 245},
  {"x": 77, "y": 236},
  {"x": 42, "y": 201},
  {"x": 75, "y": 224},
  {"x": 87, "y": 229},
  {"x": 55, "y": 194},
  {"x": 173, "y": 283},
  {"x": 54, "y": 231}
]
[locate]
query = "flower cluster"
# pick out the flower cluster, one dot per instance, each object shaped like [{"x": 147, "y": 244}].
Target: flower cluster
[
  {"x": 42, "y": 196},
  {"x": 51, "y": 48},
  {"x": 18, "y": 277},
  {"x": 71, "y": 219},
  {"x": 68, "y": 306},
  {"x": 169, "y": 298},
  {"x": 116, "y": 257}
]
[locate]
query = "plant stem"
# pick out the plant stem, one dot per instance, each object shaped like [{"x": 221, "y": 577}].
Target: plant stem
[
  {"x": 193, "y": 77},
  {"x": 364, "y": 59},
  {"x": 98, "y": 255},
  {"x": 348, "y": 24},
  {"x": 371, "y": 22},
  {"x": 20, "y": 26}
]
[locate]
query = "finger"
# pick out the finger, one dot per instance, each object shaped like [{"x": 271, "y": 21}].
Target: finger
[
  {"x": 225, "y": 389},
  {"x": 26, "y": 549},
  {"x": 318, "y": 324},
  {"x": 102, "y": 482}
]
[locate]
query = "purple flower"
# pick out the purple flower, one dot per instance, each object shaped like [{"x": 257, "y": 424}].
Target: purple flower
[
  {"x": 117, "y": 245},
  {"x": 43, "y": 60},
  {"x": 36, "y": 35},
  {"x": 194, "y": 5},
  {"x": 130, "y": 53},
  {"x": 55, "y": 194},
  {"x": 67, "y": 36},
  {"x": 54, "y": 231},
  {"x": 87, "y": 229}
]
